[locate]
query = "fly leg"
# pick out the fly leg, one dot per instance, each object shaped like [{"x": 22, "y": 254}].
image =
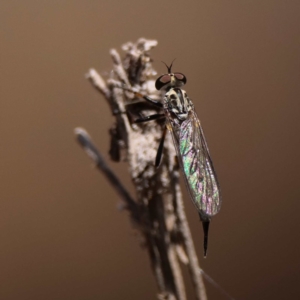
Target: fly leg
[
  {"x": 153, "y": 117},
  {"x": 148, "y": 99},
  {"x": 149, "y": 118},
  {"x": 160, "y": 148},
  {"x": 161, "y": 143}
]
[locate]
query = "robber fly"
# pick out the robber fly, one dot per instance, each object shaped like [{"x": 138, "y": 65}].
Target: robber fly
[{"x": 191, "y": 147}]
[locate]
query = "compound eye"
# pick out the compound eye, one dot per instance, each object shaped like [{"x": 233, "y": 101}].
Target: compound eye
[
  {"x": 180, "y": 77},
  {"x": 162, "y": 81}
]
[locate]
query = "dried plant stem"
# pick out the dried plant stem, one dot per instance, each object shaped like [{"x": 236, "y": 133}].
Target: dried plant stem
[
  {"x": 158, "y": 209},
  {"x": 85, "y": 141}
]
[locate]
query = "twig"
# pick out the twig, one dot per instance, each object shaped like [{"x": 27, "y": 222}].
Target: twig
[
  {"x": 85, "y": 141},
  {"x": 158, "y": 208},
  {"x": 189, "y": 246}
]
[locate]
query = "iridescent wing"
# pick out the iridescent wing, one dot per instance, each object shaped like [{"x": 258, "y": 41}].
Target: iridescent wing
[{"x": 198, "y": 168}]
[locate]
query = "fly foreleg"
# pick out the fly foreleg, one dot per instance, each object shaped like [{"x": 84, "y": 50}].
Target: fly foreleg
[
  {"x": 160, "y": 148},
  {"x": 149, "y": 118},
  {"x": 148, "y": 99}
]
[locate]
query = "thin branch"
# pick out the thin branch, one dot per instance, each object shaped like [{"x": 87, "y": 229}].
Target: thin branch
[
  {"x": 189, "y": 246},
  {"x": 98, "y": 82},
  {"x": 118, "y": 67},
  {"x": 85, "y": 141}
]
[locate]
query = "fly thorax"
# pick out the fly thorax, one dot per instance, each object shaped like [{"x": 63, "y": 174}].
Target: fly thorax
[{"x": 177, "y": 104}]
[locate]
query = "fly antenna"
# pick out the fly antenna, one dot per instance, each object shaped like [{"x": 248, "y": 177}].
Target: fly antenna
[{"x": 169, "y": 68}]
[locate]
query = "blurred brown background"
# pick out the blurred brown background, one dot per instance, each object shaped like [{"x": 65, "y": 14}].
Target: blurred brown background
[{"x": 61, "y": 235}]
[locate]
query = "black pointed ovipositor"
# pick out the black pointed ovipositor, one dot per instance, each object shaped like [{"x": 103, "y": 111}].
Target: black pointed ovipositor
[{"x": 205, "y": 225}]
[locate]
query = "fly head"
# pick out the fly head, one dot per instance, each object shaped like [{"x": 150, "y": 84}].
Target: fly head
[{"x": 170, "y": 79}]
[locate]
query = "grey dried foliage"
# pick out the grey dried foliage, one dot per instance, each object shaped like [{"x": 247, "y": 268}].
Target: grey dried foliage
[{"x": 157, "y": 209}]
